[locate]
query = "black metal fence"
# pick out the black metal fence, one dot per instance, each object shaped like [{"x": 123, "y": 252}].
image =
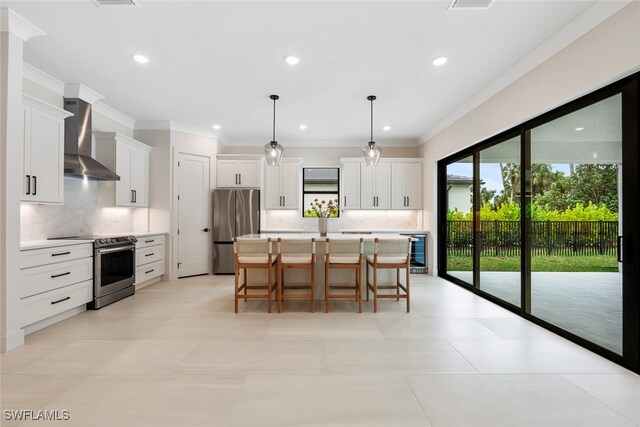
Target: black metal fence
[{"x": 502, "y": 238}]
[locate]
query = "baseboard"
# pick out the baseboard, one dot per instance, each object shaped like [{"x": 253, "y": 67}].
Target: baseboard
[
  {"x": 148, "y": 282},
  {"x": 12, "y": 341},
  {"x": 54, "y": 319}
]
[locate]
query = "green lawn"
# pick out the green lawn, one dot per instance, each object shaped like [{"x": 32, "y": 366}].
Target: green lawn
[{"x": 600, "y": 263}]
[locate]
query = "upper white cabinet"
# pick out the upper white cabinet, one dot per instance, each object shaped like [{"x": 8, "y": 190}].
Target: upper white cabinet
[
  {"x": 350, "y": 183},
  {"x": 129, "y": 159},
  {"x": 375, "y": 186},
  {"x": 238, "y": 172},
  {"x": 42, "y": 151},
  {"x": 282, "y": 186},
  {"x": 406, "y": 185}
]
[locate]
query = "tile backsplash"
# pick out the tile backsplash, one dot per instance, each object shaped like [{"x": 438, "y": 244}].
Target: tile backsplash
[
  {"x": 350, "y": 220},
  {"x": 80, "y": 215}
]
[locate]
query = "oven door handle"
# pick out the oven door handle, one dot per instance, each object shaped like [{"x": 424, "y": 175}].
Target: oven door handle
[{"x": 118, "y": 249}]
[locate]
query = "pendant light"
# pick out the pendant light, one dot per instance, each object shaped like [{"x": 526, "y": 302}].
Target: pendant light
[
  {"x": 371, "y": 152},
  {"x": 273, "y": 150}
]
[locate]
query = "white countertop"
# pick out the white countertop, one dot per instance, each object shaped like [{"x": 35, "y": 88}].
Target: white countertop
[
  {"x": 39, "y": 244},
  {"x": 370, "y": 230},
  {"x": 335, "y": 236}
]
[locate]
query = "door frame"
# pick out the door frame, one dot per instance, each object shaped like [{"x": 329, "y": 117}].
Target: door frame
[{"x": 175, "y": 151}]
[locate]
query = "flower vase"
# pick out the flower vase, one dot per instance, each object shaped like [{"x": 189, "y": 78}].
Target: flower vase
[{"x": 322, "y": 226}]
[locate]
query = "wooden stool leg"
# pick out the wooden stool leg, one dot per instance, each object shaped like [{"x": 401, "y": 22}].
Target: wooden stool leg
[
  {"x": 326, "y": 287},
  {"x": 375, "y": 290},
  {"x": 359, "y": 289},
  {"x": 313, "y": 309},
  {"x": 398, "y": 284},
  {"x": 366, "y": 284},
  {"x": 244, "y": 280},
  {"x": 236, "y": 292},
  {"x": 269, "y": 290},
  {"x": 407, "y": 276},
  {"x": 279, "y": 280}
]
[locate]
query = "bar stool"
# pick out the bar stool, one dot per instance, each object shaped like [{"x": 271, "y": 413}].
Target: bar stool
[
  {"x": 343, "y": 254},
  {"x": 250, "y": 254},
  {"x": 296, "y": 254},
  {"x": 389, "y": 254}
]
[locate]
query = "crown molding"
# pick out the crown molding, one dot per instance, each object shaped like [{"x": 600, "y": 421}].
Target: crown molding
[
  {"x": 78, "y": 90},
  {"x": 174, "y": 126},
  {"x": 325, "y": 143},
  {"x": 43, "y": 79},
  {"x": 115, "y": 115},
  {"x": 582, "y": 24},
  {"x": 11, "y": 22}
]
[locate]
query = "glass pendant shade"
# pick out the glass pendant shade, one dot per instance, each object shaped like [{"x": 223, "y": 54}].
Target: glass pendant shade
[
  {"x": 371, "y": 153},
  {"x": 273, "y": 153},
  {"x": 272, "y": 150}
]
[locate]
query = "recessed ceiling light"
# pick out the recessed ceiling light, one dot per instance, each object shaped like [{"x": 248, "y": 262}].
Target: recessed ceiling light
[
  {"x": 141, "y": 59},
  {"x": 302, "y": 127},
  {"x": 386, "y": 128},
  {"x": 441, "y": 60},
  {"x": 217, "y": 127},
  {"x": 292, "y": 59},
  {"x": 579, "y": 129}
]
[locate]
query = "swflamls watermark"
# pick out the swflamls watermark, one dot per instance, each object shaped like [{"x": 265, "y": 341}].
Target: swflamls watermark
[{"x": 36, "y": 415}]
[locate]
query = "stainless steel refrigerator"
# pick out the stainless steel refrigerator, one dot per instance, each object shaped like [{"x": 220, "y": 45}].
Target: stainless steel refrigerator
[{"x": 235, "y": 213}]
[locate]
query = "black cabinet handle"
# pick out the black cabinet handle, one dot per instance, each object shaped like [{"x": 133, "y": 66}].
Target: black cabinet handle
[
  {"x": 240, "y": 178},
  {"x": 135, "y": 196},
  {"x": 61, "y": 274},
  {"x": 61, "y": 253},
  {"x": 131, "y": 196},
  {"x": 60, "y": 300},
  {"x": 150, "y": 271},
  {"x": 28, "y": 184},
  {"x": 206, "y": 230},
  {"x": 345, "y": 201},
  {"x": 152, "y": 253},
  {"x": 236, "y": 179},
  {"x": 149, "y": 241},
  {"x": 35, "y": 184}
]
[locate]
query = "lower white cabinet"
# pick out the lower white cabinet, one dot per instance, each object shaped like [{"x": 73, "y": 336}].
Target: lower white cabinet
[
  {"x": 54, "y": 280},
  {"x": 149, "y": 259}
]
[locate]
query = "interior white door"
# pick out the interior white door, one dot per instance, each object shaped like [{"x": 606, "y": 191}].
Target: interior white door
[{"x": 193, "y": 214}]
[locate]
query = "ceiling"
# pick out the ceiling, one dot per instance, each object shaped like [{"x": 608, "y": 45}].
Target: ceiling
[{"x": 218, "y": 62}]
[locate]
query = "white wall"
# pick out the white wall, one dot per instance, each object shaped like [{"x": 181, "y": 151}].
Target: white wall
[{"x": 603, "y": 55}]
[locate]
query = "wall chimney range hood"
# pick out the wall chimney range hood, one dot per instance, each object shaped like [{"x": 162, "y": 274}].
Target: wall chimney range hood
[{"x": 78, "y": 162}]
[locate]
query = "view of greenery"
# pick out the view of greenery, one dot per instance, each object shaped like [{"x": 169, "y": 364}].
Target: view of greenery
[{"x": 588, "y": 193}]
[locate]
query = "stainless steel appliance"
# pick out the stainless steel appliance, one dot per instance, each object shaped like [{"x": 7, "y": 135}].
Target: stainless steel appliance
[
  {"x": 235, "y": 213},
  {"x": 78, "y": 162},
  {"x": 114, "y": 268}
]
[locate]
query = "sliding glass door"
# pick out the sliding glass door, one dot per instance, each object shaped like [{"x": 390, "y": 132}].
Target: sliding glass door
[
  {"x": 541, "y": 219},
  {"x": 576, "y": 188}
]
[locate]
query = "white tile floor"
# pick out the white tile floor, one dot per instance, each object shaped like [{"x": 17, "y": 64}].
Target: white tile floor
[{"x": 175, "y": 354}]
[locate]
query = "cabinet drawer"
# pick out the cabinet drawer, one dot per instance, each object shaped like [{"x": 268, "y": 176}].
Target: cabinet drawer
[
  {"x": 144, "y": 242},
  {"x": 38, "y": 257},
  {"x": 48, "y": 277},
  {"x": 149, "y": 271},
  {"x": 47, "y": 304},
  {"x": 149, "y": 255}
]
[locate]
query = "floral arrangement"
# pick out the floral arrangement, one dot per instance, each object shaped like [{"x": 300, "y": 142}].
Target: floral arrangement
[{"x": 323, "y": 209}]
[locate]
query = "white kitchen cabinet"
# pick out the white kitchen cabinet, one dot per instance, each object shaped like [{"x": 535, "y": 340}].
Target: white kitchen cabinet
[
  {"x": 282, "y": 186},
  {"x": 129, "y": 159},
  {"x": 406, "y": 185},
  {"x": 42, "y": 151},
  {"x": 149, "y": 259},
  {"x": 54, "y": 280},
  {"x": 375, "y": 186},
  {"x": 237, "y": 173},
  {"x": 350, "y": 183}
]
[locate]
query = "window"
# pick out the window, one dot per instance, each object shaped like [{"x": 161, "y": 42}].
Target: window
[{"x": 321, "y": 184}]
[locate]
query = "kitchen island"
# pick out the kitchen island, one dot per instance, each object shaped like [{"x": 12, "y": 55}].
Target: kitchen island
[{"x": 337, "y": 277}]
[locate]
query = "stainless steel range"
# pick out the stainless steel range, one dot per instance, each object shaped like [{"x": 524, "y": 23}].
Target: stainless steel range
[{"x": 114, "y": 268}]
